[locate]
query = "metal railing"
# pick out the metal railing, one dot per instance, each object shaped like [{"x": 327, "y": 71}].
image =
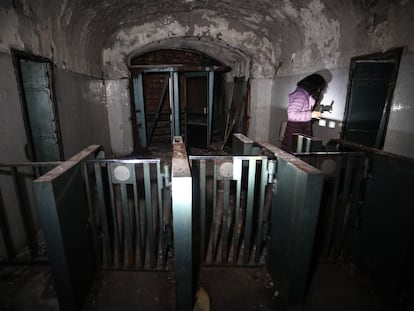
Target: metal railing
[
  {"x": 21, "y": 235},
  {"x": 342, "y": 200},
  {"x": 130, "y": 210},
  {"x": 229, "y": 199}
]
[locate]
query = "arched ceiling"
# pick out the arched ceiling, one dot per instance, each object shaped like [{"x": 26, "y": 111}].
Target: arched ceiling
[{"x": 259, "y": 38}]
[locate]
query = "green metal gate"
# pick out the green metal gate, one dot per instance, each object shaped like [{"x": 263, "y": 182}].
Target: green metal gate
[
  {"x": 229, "y": 206},
  {"x": 229, "y": 210},
  {"x": 130, "y": 209}
]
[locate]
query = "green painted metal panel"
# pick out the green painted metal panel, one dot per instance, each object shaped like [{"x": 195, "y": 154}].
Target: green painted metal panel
[
  {"x": 63, "y": 210},
  {"x": 295, "y": 209},
  {"x": 39, "y": 108},
  {"x": 182, "y": 222}
]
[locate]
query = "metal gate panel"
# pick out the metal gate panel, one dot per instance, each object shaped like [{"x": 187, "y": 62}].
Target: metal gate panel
[
  {"x": 131, "y": 217},
  {"x": 295, "y": 210},
  {"x": 62, "y": 203},
  {"x": 229, "y": 199}
]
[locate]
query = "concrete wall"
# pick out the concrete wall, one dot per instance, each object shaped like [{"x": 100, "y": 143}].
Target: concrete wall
[
  {"x": 12, "y": 142},
  {"x": 82, "y": 112},
  {"x": 336, "y": 91},
  {"x": 260, "y": 103},
  {"x": 13, "y": 135},
  {"x": 399, "y": 137},
  {"x": 119, "y": 116}
]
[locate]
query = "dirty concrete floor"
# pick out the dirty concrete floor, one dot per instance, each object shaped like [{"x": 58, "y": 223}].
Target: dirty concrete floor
[{"x": 333, "y": 287}]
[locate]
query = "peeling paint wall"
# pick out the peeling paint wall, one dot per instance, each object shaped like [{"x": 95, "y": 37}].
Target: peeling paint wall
[
  {"x": 264, "y": 40},
  {"x": 214, "y": 33},
  {"x": 260, "y": 109},
  {"x": 119, "y": 115},
  {"x": 83, "y": 112}
]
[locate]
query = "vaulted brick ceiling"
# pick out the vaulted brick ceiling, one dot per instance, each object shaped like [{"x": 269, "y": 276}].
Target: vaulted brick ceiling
[{"x": 262, "y": 36}]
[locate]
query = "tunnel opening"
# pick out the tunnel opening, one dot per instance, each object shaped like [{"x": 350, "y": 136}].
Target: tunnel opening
[{"x": 178, "y": 92}]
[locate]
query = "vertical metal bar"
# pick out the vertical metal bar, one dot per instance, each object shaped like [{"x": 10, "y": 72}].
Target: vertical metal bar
[
  {"x": 342, "y": 216},
  {"x": 182, "y": 221},
  {"x": 139, "y": 255},
  {"x": 355, "y": 196},
  {"x": 140, "y": 109},
  {"x": 177, "y": 130},
  {"x": 107, "y": 249},
  {"x": 210, "y": 105},
  {"x": 299, "y": 143},
  {"x": 213, "y": 222},
  {"x": 333, "y": 207},
  {"x": 249, "y": 210},
  {"x": 128, "y": 254},
  {"x": 91, "y": 213},
  {"x": 160, "y": 205},
  {"x": 308, "y": 144},
  {"x": 263, "y": 183},
  {"x": 5, "y": 231},
  {"x": 172, "y": 108},
  {"x": 225, "y": 227},
  {"x": 117, "y": 240},
  {"x": 149, "y": 214},
  {"x": 25, "y": 214},
  {"x": 202, "y": 167},
  {"x": 237, "y": 175}
]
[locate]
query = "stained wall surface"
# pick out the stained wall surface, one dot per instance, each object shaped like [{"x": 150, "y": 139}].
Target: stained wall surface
[{"x": 277, "y": 41}]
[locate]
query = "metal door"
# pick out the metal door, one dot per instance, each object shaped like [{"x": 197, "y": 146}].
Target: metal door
[
  {"x": 39, "y": 109},
  {"x": 198, "y": 98},
  {"x": 372, "y": 81}
]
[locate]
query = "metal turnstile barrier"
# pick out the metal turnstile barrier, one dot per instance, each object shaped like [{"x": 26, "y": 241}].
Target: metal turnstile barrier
[
  {"x": 130, "y": 208},
  {"x": 231, "y": 219}
]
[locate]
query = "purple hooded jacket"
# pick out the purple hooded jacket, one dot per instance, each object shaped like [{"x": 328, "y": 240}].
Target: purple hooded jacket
[{"x": 300, "y": 106}]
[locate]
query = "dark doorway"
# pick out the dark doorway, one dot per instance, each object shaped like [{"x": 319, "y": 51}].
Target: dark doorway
[
  {"x": 195, "y": 95},
  {"x": 371, "y": 85},
  {"x": 175, "y": 95},
  {"x": 39, "y": 109}
]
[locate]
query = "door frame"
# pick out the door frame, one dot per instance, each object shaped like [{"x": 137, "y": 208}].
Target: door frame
[
  {"x": 138, "y": 100},
  {"x": 209, "y": 75},
  {"x": 390, "y": 56},
  {"x": 17, "y": 55}
]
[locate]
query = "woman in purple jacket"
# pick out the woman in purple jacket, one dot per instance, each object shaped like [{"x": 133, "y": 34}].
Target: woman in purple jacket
[{"x": 301, "y": 103}]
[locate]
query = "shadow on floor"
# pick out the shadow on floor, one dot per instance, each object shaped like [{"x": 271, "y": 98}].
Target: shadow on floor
[{"x": 333, "y": 287}]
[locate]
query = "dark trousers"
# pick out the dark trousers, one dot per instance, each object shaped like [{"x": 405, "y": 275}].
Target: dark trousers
[{"x": 304, "y": 128}]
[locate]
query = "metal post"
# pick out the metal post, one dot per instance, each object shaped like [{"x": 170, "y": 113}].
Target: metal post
[
  {"x": 210, "y": 105},
  {"x": 177, "y": 130},
  {"x": 140, "y": 109},
  {"x": 182, "y": 221},
  {"x": 25, "y": 214}
]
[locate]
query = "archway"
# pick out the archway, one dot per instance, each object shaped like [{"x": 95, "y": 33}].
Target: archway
[{"x": 177, "y": 92}]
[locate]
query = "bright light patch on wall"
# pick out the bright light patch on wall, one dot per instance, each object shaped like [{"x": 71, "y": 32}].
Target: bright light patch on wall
[{"x": 400, "y": 107}]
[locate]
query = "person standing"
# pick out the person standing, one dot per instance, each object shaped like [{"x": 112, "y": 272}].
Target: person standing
[{"x": 300, "y": 108}]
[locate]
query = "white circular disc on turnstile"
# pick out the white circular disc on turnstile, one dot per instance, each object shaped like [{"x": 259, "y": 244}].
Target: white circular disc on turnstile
[
  {"x": 122, "y": 173},
  {"x": 226, "y": 169}
]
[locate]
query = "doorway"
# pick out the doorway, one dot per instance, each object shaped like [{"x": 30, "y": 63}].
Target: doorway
[
  {"x": 174, "y": 94},
  {"x": 371, "y": 85},
  {"x": 39, "y": 109}
]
